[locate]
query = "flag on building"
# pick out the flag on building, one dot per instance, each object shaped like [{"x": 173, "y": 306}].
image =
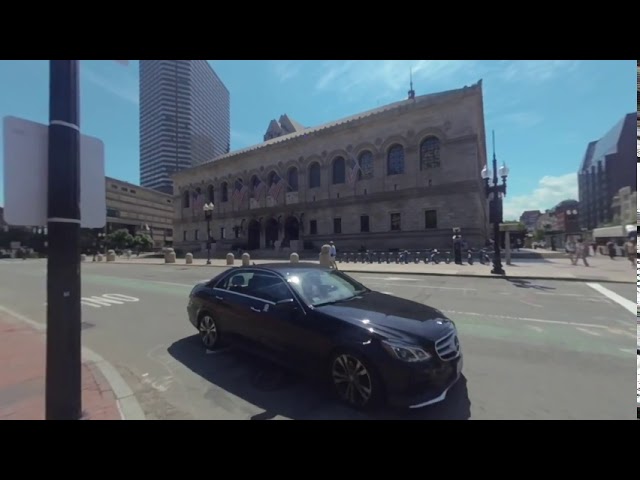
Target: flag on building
[
  {"x": 259, "y": 189},
  {"x": 352, "y": 174},
  {"x": 197, "y": 202},
  {"x": 276, "y": 188}
]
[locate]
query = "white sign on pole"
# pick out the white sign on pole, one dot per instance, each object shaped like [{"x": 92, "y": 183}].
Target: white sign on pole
[{"x": 26, "y": 176}]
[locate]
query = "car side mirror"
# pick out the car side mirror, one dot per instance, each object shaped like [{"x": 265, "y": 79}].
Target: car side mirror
[{"x": 288, "y": 304}]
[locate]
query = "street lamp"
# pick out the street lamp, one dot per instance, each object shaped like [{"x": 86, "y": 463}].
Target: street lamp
[
  {"x": 571, "y": 216},
  {"x": 208, "y": 213},
  {"x": 495, "y": 193},
  {"x": 100, "y": 236}
]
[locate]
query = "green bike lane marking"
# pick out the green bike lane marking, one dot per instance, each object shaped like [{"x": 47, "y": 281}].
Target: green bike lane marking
[{"x": 562, "y": 337}]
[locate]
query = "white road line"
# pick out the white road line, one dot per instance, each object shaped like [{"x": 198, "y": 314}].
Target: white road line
[
  {"x": 387, "y": 293},
  {"x": 525, "y": 319},
  {"x": 531, "y": 304},
  {"x": 171, "y": 283},
  {"x": 536, "y": 328},
  {"x": 423, "y": 286},
  {"x": 623, "y": 302},
  {"x": 394, "y": 279},
  {"x": 588, "y": 332}
]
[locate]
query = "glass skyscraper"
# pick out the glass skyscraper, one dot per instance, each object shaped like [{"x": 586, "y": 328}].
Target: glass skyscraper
[{"x": 184, "y": 119}]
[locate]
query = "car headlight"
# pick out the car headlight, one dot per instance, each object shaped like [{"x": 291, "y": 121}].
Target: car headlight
[{"x": 406, "y": 353}]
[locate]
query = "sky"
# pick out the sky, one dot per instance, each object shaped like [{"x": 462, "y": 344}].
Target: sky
[{"x": 544, "y": 112}]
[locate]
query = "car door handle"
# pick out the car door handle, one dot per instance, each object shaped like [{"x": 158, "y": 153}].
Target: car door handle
[
  {"x": 257, "y": 310},
  {"x": 220, "y": 299}
]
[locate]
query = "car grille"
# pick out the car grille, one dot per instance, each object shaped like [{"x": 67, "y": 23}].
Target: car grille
[{"x": 448, "y": 347}]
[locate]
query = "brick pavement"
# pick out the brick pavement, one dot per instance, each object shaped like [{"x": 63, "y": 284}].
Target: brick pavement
[{"x": 22, "y": 377}]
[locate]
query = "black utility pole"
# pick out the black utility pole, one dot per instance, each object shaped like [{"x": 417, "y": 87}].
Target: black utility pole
[
  {"x": 63, "y": 378},
  {"x": 495, "y": 193}
]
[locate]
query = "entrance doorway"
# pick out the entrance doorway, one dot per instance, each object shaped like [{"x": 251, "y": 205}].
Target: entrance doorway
[
  {"x": 271, "y": 232},
  {"x": 292, "y": 228},
  {"x": 253, "y": 240}
]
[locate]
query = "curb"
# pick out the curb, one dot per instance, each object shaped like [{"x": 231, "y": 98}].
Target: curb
[
  {"x": 424, "y": 274},
  {"x": 126, "y": 402}
]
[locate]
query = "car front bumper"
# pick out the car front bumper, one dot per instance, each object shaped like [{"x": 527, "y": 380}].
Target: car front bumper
[{"x": 421, "y": 386}]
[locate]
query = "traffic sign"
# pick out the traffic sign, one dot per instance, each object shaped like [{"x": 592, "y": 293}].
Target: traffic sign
[{"x": 26, "y": 172}]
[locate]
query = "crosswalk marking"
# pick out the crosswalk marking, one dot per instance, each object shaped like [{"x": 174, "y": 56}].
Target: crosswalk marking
[{"x": 623, "y": 302}]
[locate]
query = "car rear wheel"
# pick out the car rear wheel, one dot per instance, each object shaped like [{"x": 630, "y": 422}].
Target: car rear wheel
[
  {"x": 354, "y": 381},
  {"x": 209, "y": 333}
]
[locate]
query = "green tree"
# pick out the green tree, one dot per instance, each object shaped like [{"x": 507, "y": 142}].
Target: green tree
[
  {"x": 142, "y": 243},
  {"x": 538, "y": 236},
  {"x": 120, "y": 239}
]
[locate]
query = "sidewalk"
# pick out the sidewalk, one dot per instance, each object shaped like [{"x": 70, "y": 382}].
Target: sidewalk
[
  {"x": 601, "y": 269},
  {"x": 22, "y": 377}
]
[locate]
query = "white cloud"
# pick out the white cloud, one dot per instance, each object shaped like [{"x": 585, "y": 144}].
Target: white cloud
[
  {"x": 286, "y": 69},
  {"x": 536, "y": 70},
  {"x": 361, "y": 77},
  {"x": 116, "y": 80},
  {"x": 549, "y": 192}
]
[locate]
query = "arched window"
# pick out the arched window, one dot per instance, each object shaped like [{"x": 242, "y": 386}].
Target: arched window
[
  {"x": 255, "y": 183},
  {"x": 429, "y": 153},
  {"x": 314, "y": 175},
  {"x": 225, "y": 192},
  {"x": 338, "y": 171},
  {"x": 292, "y": 179},
  {"x": 186, "y": 199},
  {"x": 211, "y": 194},
  {"x": 395, "y": 160},
  {"x": 272, "y": 178},
  {"x": 238, "y": 184},
  {"x": 365, "y": 161}
]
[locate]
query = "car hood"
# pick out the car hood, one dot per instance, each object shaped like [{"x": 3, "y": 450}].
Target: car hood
[{"x": 391, "y": 317}]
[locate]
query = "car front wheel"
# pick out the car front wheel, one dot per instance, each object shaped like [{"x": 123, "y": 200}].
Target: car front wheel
[
  {"x": 209, "y": 333},
  {"x": 354, "y": 381}
]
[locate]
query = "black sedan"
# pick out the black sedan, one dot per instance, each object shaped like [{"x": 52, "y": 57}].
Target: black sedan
[{"x": 372, "y": 347}]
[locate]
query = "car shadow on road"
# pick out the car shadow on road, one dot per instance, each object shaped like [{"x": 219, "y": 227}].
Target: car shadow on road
[
  {"x": 520, "y": 283},
  {"x": 282, "y": 393}
]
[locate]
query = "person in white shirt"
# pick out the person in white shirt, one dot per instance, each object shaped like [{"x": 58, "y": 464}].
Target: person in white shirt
[{"x": 332, "y": 253}]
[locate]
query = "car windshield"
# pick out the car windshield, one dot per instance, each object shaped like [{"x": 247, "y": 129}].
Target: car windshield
[{"x": 319, "y": 287}]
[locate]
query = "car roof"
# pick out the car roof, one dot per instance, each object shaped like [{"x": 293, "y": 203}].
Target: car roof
[{"x": 284, "y": 267}]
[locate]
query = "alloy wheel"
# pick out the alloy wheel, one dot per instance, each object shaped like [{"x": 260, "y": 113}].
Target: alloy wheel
[
  {"x": 208, "y": 331},
  {"x": 352, "y": 380}
]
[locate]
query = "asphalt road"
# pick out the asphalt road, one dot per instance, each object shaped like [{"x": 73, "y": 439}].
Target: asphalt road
[{"x": 533, "y": 349}]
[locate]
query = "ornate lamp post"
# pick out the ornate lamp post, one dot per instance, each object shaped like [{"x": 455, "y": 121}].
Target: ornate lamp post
[
  {"x": 495, "y": 193},
  {"x": 100, "y": 236},
  {"x": 208, "y": 214},
  {"x": 571, "y": 221}
]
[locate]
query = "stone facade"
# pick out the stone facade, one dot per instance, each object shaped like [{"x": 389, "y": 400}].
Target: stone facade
[
  {"x": 418, "y": 177},
  {"x": 132, "y": 207}
]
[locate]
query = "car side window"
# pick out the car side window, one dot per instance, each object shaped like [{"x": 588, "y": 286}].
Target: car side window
[
  {"x": 268, "y": 287},
  {"x": 235, "y": 282}
]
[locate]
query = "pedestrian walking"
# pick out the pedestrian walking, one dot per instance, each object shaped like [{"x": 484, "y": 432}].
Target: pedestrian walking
[
  {"x": 631, "y": 250},
  {"x": 611, "y": 248},
  {"x": 333, "y": 252},
  {"x": 581, "y": 253},
  {"x": 570, "y": 249}
]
